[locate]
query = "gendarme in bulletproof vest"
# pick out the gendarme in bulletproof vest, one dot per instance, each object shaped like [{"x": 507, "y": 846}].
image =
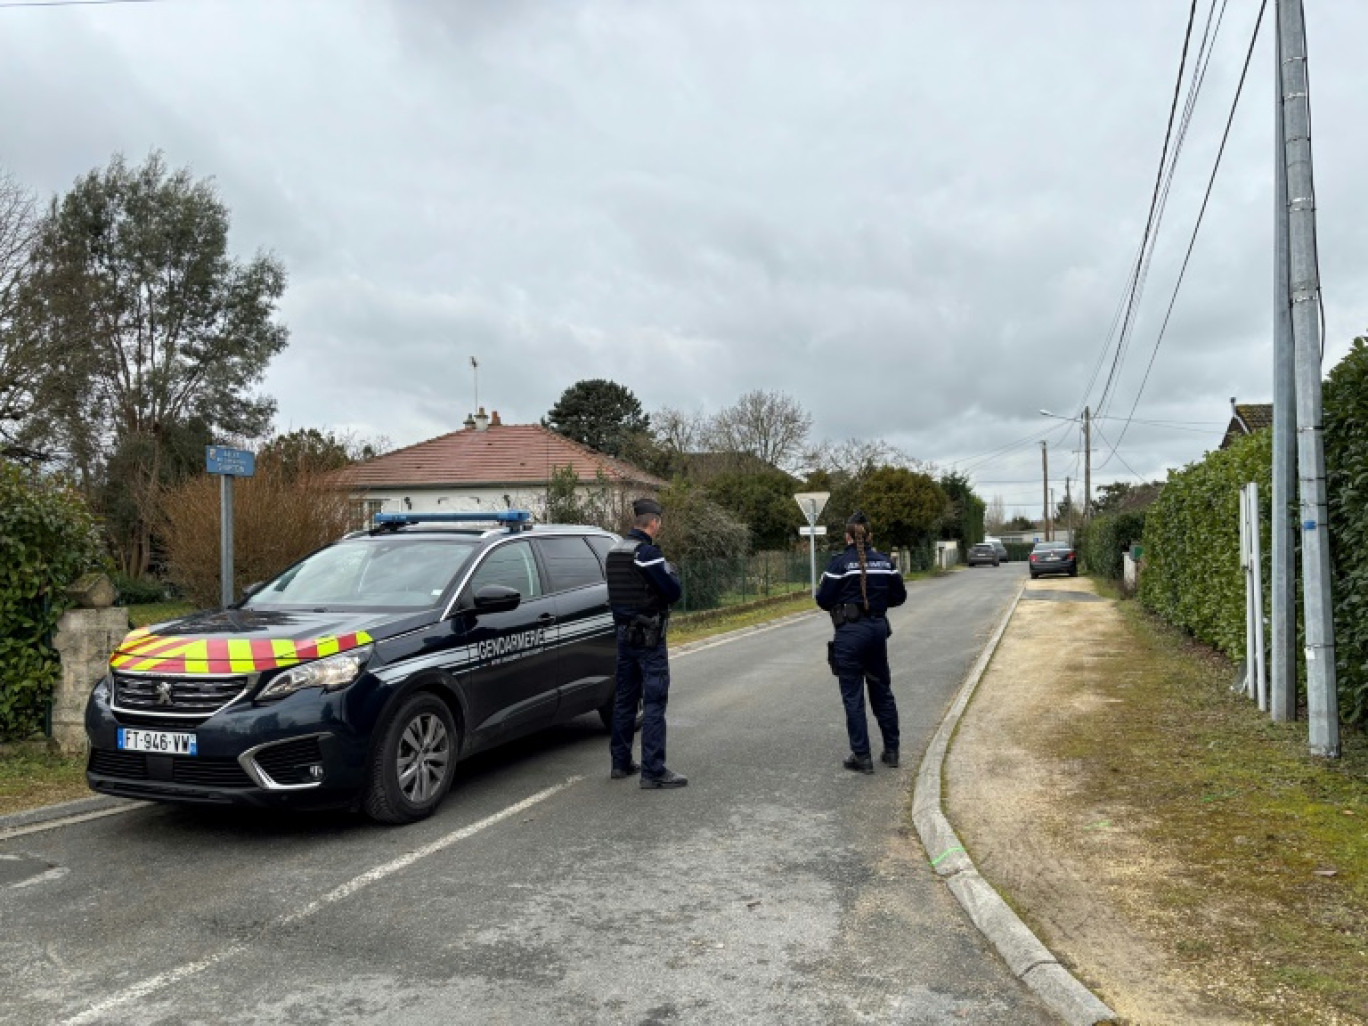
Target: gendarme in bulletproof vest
[{"x": 628, "y": 587}]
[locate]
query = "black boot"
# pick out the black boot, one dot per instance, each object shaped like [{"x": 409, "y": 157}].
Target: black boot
[
  {"x": 889, "y": 758},
  {"x": 859, "y": 763},
  {"x": 623, "y": 772},
  {"x": 667, "y": 779}
]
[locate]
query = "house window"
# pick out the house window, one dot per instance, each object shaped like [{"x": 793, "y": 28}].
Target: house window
[{"x": 363, "y": 512}]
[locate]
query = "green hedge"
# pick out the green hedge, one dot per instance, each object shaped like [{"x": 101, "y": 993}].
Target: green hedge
[
  {"x": 1346, "y": 464},
  {"x": 1018, "y": 552},
  {"x": 1192, "y": 576},
  {"x": 48, "y": 538},
  {"x": 1102, "y": 539}
]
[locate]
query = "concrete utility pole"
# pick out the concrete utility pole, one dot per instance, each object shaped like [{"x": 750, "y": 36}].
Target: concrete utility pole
[
  {"x": 1305, "y": 289},
  {"x": 1087, "y": 464},
  {"x": 1045, "y": 486},
  {"x": 1283, "y": 658},
  {"x": 1068, "y": 502}
]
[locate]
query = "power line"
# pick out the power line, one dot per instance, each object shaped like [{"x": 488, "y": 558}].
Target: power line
[
  {"x": 1192, "y": 241},
  {"x": 72, "y": 3},
  {"x": 1154, "y": 202}
]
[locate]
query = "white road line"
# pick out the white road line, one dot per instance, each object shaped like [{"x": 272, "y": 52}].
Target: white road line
[
  {"x": 162, "y": 980},
  {"x": 743, "y": 632},
  {"x": 53, "y": 824}
]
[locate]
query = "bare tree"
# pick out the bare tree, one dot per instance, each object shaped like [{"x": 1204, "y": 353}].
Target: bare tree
[
  {"x": 771, "y": 426},
  {"x": 21, "y": 363},
  {"x": 995, "y": 516},
  {"x": 856, "y": 457},
  {"x": 677, "y": 431}
]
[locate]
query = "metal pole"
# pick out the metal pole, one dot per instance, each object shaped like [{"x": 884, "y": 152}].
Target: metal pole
[
  {"x": 226, "y": 539},
  {"x": 1304, "y": 279},
  {"x": 1068, "y": 501},
  {"x": 1087, "y": 464},
  {"x": 1284, "y": 654},
  {"x": 1045, "y": 486},
  {"x": 812, "y": 542},
  {"x": 1248, "y": 688},
  {"x": 1256, "y": 568}
]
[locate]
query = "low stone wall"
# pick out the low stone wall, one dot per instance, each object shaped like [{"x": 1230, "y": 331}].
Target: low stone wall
[{"x": 84, "y": 639}]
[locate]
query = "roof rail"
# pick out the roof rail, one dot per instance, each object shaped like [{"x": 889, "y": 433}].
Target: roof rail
[{"x": 513, "y": 519}]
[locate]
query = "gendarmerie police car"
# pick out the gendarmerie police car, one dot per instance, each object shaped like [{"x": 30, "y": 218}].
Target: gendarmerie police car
[{"x": 363, "y": 673}]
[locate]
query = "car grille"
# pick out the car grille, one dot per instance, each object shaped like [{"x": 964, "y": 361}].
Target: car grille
[
  {"x": 175, "y": 697},
  {"x": 287, "y": 762},
  {"x": 173, "y": 768}
]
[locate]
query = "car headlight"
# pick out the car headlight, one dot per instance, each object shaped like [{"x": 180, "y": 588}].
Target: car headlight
[{"x": 331, "y": 674}]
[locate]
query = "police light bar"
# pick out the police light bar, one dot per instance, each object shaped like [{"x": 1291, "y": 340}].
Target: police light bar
[{"x": 515, "y": 519}]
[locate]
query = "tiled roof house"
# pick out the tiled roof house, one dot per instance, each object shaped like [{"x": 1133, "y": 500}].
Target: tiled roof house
[
  {"x": 486, "y": 466},
  {"x": 1245, "y": 419}
]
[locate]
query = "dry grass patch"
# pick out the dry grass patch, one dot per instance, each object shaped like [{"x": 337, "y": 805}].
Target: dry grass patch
[
  {"x": 1264, "y": 891},
  {"x": 32, "y": 775}
]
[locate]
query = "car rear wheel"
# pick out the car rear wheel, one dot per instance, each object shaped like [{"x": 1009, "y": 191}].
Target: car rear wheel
[{"x": 413, "y": 765}]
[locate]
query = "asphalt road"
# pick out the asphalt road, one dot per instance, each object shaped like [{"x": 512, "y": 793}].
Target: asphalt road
[{"x": 776, "y": 888}]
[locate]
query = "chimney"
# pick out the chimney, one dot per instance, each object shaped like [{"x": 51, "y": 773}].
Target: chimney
[
  {"x": 468, "y": 423},
  {"x": 481, "y": 420},
  {"x": 494, "y": 420}
]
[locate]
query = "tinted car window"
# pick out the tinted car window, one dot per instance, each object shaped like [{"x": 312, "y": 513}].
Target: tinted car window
[
  {"x": 370, "y": 573},
  {"x": 513, "y": 567},
  {"x": 600, "y": 544},
  {"x": 570, "y": 563}
]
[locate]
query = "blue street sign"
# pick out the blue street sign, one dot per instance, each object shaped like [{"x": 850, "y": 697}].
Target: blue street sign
[{"x": 233, "y": 462}]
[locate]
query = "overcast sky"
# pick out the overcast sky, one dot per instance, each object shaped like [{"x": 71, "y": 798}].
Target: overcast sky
[{"x": 916, "y": 218}]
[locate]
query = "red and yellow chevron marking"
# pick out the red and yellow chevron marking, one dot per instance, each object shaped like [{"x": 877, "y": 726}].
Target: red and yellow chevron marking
[{"x": 143, "y": 651}]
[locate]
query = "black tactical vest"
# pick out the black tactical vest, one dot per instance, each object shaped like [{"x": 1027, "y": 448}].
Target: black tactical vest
[{"x": 628, "y": 588}]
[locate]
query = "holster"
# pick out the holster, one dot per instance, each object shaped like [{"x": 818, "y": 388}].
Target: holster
[
  {"x": 831, "y": 658},
  {"x": 646, "y": 631},
  {"x": 846, "y": 612}
]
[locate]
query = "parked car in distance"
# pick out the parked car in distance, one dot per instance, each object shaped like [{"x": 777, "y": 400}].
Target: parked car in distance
[
  {"x": 1053, "y": 557},
  {"x": 982, "y": 554},
  {"x": 361, "y": 675},
  {"x": 998, "y": 547}
]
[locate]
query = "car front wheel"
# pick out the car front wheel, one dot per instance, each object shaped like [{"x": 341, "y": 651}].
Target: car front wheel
[{"x": 413, "y": 765}]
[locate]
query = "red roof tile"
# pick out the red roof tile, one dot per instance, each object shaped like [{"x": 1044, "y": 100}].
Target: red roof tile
[{"x": 506, "y": 454}]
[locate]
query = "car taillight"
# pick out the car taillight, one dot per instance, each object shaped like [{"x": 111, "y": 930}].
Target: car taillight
[
  {"x": 1070, "y": 555},
  {"x": 1033, "y": 555}
]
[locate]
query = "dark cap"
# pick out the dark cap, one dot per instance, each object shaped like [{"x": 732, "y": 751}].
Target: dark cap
[
  {"x": 857, "y": 519},
  {"x": 646, "y": 508}
]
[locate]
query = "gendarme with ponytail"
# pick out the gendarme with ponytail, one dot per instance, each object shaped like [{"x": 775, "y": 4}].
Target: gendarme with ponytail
[{"x": 859, "y": 586}]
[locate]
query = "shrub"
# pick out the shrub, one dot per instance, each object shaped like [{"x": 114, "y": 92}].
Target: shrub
[
  {"x": 138, "y": 591},
  {"x": 1192, "y": 576},
  {"x": 48, "y": 538},
  {"x": 1346, "y": 464},
  {"x": 703, "y": 540},
  {"x": 1102, "y": 539},
  {"x": 278, "y": 518}
]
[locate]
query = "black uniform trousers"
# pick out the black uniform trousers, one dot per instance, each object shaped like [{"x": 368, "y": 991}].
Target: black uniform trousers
[{"x": 861, "y": 653}]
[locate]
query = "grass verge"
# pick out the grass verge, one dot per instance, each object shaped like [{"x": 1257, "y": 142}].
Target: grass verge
[
  {"x": 158, "y": 612},
  {"x": 1268, "y": 899},
  {"x": 32, "y": 775},
  {"x": 689, "y": 627}
]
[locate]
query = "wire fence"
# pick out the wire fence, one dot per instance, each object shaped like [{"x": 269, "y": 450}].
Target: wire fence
[{"x": 716, "y": 583}]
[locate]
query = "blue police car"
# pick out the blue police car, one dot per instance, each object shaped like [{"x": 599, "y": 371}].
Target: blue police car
[{"x": 362, "y": 674}]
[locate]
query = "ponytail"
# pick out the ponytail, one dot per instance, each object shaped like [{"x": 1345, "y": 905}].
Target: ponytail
[{"x": 860, "y": 534}]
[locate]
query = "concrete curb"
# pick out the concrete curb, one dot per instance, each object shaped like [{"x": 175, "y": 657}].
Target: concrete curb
[
  {"x": 62, "y": 810},
  {"x": 1029, "y": 960}
]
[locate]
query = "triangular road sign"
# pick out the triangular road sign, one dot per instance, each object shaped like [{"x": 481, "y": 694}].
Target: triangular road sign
[{"x": 812, "y": 504}]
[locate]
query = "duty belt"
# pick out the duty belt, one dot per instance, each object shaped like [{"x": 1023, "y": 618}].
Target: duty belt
[{"x": 847, "y": 612}]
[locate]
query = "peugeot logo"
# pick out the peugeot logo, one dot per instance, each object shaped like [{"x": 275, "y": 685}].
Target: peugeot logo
[{"x": 164, "y": 693}]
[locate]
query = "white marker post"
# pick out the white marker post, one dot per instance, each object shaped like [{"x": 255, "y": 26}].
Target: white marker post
[
  {"x": 228, "y": 464},
  {"x": 812, "y": 504}
]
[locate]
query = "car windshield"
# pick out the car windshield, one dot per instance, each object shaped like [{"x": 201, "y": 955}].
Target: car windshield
[
  {"x": 1053, "y": 545},
  {"x": 370, "y": 573}
]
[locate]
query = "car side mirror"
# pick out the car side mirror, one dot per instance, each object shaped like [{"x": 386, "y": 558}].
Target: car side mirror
[{"x": 496, "y": 598}]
